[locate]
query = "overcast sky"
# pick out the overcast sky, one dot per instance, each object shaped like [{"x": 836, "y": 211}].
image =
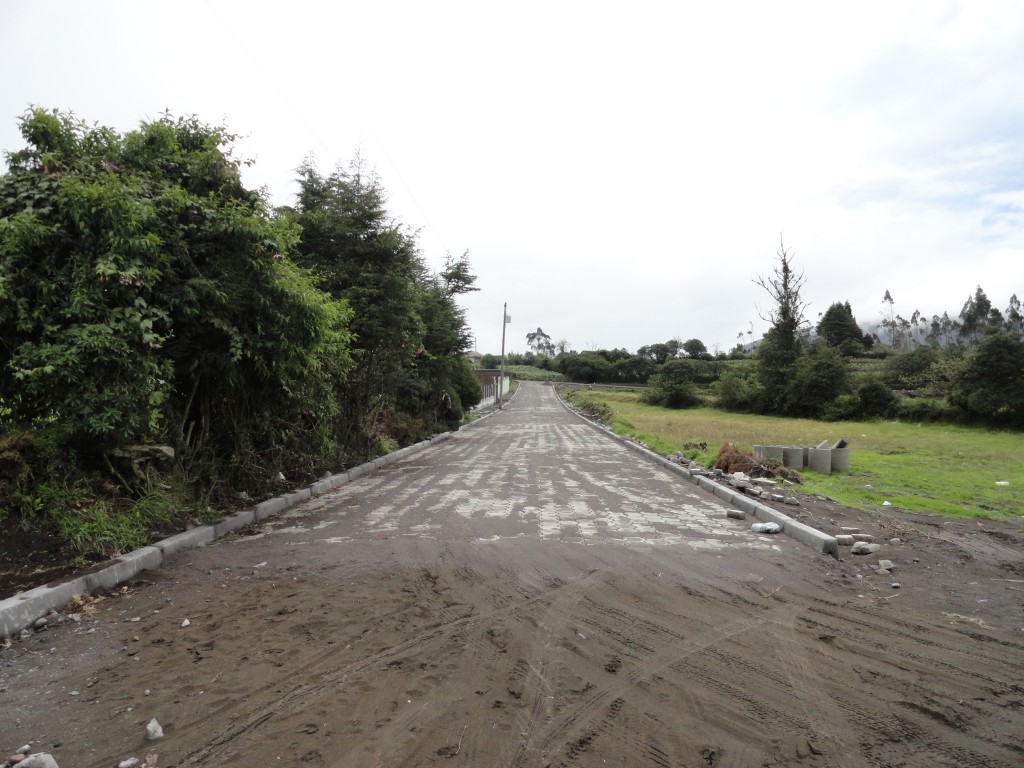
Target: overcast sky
[{"x": 620, "y": 173}]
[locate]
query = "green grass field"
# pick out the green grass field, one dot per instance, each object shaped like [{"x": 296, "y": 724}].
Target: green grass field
[{"x": 941, "y": 469}]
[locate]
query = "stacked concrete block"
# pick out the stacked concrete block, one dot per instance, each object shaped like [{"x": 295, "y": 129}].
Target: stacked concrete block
[{"x": 793, "y": 457}]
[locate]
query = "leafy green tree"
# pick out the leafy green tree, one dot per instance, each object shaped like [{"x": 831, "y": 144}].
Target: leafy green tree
[
  {"x": 942, "y": 331},
  {"x": 587, "y": 367},
  {"x": 146, "y": 294},
  {"x": 440, "y": 388},
  {"x": 364, "y": 257},
  {"x": 634, "y": 369},
  {"x": 875, "y": 398},
  {"x": 977, "y": 315},
  {"x": 695, "y": 348},
  {"x": 889, "y": 320},
  {"x": 839, "y": 328},
  {"x": 1014, "y": 318},
  {"x": 904, "y": 371},
  {"x": 738, "y": 389},
  {"x": 540, "y": 343},
  {"x": 819, "y": 377},
  {"x": 990, "y": 386},
  {"x": 673, "y": 386}
]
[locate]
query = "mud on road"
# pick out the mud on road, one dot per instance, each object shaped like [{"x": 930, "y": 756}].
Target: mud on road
[{"x": 550, "y": 607}]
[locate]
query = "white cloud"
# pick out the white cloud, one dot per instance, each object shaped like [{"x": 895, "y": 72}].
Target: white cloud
[{"x": 620, "y": 174}]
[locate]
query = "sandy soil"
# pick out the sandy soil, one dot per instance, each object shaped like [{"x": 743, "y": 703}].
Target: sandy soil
[{"x": 456, "y": 638}]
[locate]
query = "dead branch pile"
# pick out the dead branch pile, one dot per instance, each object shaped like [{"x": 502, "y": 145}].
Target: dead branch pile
[{"x": 731, "y": 459}]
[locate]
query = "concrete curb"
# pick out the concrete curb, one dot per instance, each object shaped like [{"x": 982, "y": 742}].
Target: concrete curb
[
  {"x": 805, "y": 534},
  {"x": 23, "y": 609}
]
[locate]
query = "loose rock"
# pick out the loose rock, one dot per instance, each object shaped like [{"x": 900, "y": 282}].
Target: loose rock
[
  {"x": 844, "y": 540},
  {"x": 131, "y": 762},
  {"x": 864, "y": 548},
  {"x": 153, "y": 730},
  {"x": 863, "y": 537},
  {"x": 735, "y": 514},
  {"x": 887, "y": 565},
  {"x": 39, "y": 760}
]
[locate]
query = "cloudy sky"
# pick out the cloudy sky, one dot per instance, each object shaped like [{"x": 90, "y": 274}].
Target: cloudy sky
[{"x": 620, "y": 173}]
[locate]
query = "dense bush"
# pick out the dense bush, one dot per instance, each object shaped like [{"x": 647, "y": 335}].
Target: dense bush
[
  {"x": 673, "y": 386},
  {"x": 991, "y": 385},
  {"x": 876, "y": 398},
  {"x": 147, "y": 296},
  {"x": 818, "y": 378},
  {"x": 905, "y": 371},
  {"x": 739, "y": 390}
]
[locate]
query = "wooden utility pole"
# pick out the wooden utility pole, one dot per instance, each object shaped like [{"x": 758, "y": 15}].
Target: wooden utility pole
[{"x": 501, "y": 380}]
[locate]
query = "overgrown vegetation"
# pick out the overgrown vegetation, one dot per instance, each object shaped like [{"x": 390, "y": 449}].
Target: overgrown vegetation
[{"x": 147, "y": 297}]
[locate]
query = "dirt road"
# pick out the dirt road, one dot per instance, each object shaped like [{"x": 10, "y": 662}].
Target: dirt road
[{"x": 529, "y": 593}]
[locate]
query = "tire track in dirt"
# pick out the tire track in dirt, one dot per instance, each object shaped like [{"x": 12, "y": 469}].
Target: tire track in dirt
[{"x": 260, "y": 713}]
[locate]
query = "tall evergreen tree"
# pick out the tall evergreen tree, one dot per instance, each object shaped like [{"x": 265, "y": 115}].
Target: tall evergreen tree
[
  {"x": 839, "y": 328},
  {"x": 780, "y": 349}
]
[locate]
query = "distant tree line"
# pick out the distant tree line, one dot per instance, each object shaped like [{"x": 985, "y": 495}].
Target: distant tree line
[
  {"x": 147, "y": 296},
  {"x": 966, "y": 369}
]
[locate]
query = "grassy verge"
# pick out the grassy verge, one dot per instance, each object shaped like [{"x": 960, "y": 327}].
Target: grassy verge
[{"x": 940, "y": 469}]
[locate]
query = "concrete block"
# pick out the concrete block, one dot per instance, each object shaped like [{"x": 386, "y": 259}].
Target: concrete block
[
  {"x": 744, "y": 504},
  {"x": 338, "y": 480},
  {"x": 772, "y": 452},
  {"x": 21, "y": 611},
  {"x": 234, "y": 522},
  {"x": 840, "y": 459},
  {"x": 124, "y": 568},
  {"x": 186, "y": 540},
  {"x": 320, "y": 487},
  {"x": 759, "y": 452},
  {"x": 769, "y": 515},
  {"x": 270, "y": 507},
  {"x": 146, "y": 558},
  {"x": 805, "y": 534},
  {"x": 820, "y": 460},
  {"x": 725, "y": 494},
  {"x": 706, "y": 483},
  {"x": 793, "y": 457},
  {"x": 297, "y": 497},
  {"x": 357, "y": 472}
]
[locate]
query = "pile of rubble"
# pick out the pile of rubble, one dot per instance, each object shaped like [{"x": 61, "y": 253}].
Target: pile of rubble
[{"x": 763, "y": 480}]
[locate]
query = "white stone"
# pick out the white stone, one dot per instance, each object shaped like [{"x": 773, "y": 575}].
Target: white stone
[
  {"x": 39, "y": 760},
  {"x": 865, "y": 548},
  {"x": 153, "y": 730}
]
